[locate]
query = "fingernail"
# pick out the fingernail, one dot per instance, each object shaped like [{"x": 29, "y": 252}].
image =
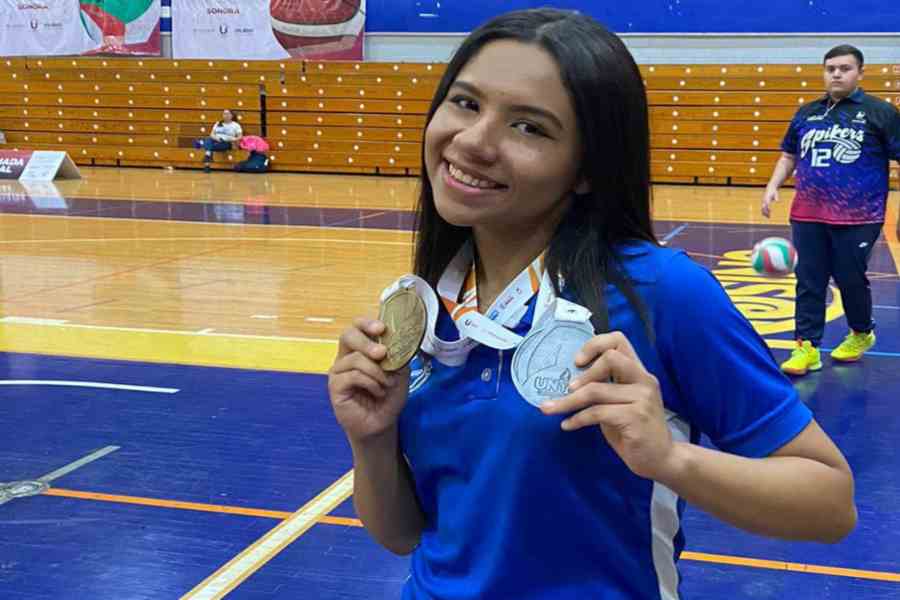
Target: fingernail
[
  {"x": 575, "y": 383},
  {"x": 565, "y": 425},
  {"x": 548, "y": 406}
]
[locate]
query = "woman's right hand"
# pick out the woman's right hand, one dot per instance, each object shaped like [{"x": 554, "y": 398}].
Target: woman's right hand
[{"x": 366, "y": 401}]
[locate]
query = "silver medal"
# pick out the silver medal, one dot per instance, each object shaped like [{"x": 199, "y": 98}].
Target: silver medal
[{"x": 544, "y": 363}]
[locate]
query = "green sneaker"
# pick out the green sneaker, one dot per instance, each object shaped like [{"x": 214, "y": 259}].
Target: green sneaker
[
  {"x": 805, "y": 357},
  {"x": 853, "y": 346}
]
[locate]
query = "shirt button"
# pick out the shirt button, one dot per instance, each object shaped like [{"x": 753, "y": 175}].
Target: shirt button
[{"x": 486, "y": 375}]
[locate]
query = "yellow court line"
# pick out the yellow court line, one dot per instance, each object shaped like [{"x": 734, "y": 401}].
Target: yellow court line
[
  {"x": 269, "y": 353},
  {"x": 739, "y": 561},
  {"x": 782, "y": 344},
  {"x": 245, "y": 564}
]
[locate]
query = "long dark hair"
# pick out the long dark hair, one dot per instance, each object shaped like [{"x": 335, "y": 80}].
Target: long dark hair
[{"x": 610, "y": 103}]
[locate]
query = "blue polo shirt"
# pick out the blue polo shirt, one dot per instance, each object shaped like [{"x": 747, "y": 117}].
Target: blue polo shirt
[
  {"x": 843, "y": 155},
  {"x": 517, "y": 508}
]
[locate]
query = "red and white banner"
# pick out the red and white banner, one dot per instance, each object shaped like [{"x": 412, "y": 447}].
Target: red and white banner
[
  {"x": 67, "y": 27},
  {"x": 269, "y": 29},
  {"x": 37, "y": 165},
  {"x": 122, "y": 26},
  {"x": 12, "y": 163}
]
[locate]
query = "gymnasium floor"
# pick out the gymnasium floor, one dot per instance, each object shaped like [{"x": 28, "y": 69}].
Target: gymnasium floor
[{"x": 163, "y": 339}]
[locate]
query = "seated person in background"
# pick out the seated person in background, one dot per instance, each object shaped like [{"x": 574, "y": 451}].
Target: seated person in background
[{"x": 222, "y": 135}]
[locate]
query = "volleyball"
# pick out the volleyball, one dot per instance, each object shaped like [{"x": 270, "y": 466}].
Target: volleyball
[
  {"x": 774, "y": 256},
  {"x": 109, "y": 21},
  {"x": 299, "y": 23}
]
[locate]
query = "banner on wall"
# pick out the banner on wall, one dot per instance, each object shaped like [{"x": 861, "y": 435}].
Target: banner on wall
[
  {"x": 269, "y": 29},
  {"x": 69, "y": 27},
  {"x": 122, "y": 26}
]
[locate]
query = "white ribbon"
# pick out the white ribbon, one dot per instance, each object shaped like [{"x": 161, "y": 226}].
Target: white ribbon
[{"x": 492, "y": 328}]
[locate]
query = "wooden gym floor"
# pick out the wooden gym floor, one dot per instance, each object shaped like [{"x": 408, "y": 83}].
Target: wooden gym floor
[{"x": 163, "y": 339}]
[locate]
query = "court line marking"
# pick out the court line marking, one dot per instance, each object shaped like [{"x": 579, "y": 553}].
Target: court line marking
[
  {"x": 351, "y": 522},
  {"x": 194, "y": 506},
  {"x": 673, "y": 234},
  {"x": 204, "y": 332},
  {"x": 348, "y": 220},
  {"x": 216, "y": 239},
  {"x": 97, "y": 454},
  {"x": 33, "y": 321},
  {"x": 777, "y": 565},
  {"x": 774, "y": 343},
  {"x": 242, "y": 566},
  {"x": 65, "y": 470},
  {"x": 90, "y": 384},
  {"x": 722, "y": 222}
]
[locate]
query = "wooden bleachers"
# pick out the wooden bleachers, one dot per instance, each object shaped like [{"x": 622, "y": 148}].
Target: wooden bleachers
[
  {"x": 125, "y": 111},
  {"x": 709, "y": 123},
  {"x": 724, "y": 123}
]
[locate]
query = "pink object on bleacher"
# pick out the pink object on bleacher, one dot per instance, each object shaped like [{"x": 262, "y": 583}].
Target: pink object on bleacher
[{"x": 254, "y": 142}]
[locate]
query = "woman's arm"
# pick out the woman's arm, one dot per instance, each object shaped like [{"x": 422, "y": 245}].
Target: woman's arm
[
  {"x": 367, "y": 403},
  {"x": 383, "y": 494},
  {"x": 804, "y": 491},
  {"x": 212, "y": 132}
]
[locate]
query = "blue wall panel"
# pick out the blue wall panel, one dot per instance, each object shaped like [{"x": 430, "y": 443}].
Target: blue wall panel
[{"x": 651, "y": 16}]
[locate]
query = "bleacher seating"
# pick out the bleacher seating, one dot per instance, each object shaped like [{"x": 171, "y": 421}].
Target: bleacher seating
[{"x": 709, "y": 123}]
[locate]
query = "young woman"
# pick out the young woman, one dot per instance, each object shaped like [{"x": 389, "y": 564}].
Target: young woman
[
  {"x": 221, "y": 137},
  {"x": 536, "y": 172}
]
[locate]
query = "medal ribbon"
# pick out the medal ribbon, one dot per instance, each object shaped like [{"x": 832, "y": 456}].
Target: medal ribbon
[{"x": 459, "y": 294}]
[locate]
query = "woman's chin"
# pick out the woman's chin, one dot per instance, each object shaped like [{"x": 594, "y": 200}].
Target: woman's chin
[{"x": 456, "y": 218}]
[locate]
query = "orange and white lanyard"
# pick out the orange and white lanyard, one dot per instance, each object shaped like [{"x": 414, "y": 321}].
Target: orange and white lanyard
[{"x": 458, "y": 292}]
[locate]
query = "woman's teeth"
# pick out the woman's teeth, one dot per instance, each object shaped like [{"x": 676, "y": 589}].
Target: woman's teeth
[{"x": 467, "y": 179}]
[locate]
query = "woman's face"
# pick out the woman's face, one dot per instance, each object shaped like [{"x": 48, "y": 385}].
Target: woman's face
[
  {"x": 503, "y": 149},
  {"x": 227, "y": 116}
]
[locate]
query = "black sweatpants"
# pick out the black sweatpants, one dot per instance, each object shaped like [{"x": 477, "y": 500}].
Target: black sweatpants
[{"x": 839, "y": 251}]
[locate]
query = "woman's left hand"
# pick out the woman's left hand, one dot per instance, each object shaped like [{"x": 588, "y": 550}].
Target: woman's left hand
[{"x": 617, "y": 393}]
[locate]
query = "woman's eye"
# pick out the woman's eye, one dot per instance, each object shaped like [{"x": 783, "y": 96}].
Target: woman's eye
[
  {"x": 464, "y": 103},
  {"x": 528, "y": 128}
]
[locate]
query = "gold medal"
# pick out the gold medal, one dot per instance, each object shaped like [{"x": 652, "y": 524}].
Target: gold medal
[{"x": 403, "y": 314}]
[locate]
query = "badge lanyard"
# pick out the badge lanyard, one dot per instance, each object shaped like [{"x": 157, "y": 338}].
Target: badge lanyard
[
  {"x": 492, "y": 328},
  {"x": 828, "y": 108}
]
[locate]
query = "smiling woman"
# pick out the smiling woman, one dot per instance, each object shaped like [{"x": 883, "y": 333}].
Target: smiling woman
[
  {"x": 502, "y": 155},
  {"x": 543, "y": 443}
]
